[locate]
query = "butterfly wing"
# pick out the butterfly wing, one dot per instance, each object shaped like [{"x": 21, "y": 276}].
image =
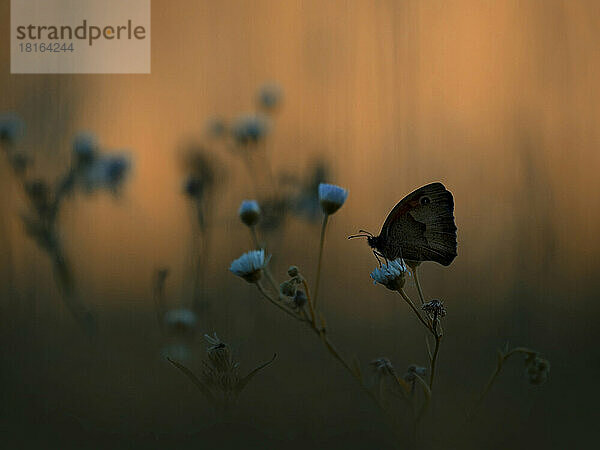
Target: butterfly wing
[{"x": 421, "y": 227}]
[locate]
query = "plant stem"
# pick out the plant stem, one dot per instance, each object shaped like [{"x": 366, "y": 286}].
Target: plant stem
[
  {"x": 258, "y": 247},
  {"x": 502, "y": 358},
  {"x": 276, "y": 303},
  {"x": 416, "y": 311},
  {"x": 418, "y": 283},
  {"x": 309, "y": 301},
  {"x": 436, "y": 350},
  {"x": 321, "y": 244}
]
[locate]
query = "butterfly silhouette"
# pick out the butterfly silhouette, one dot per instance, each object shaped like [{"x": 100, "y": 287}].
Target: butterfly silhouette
[{"x": 420, "y": 228}]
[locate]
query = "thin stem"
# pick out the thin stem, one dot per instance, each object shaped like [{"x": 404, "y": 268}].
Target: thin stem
[
  {"x": 268, "y": 273},
  {"x": 502, "y": 358},
  {"x": 276, "y": 303},
  {"x": 309, "y": 301},
  {"x": 414, "y": 308},
  {"x": 321, "y": 244},
  {"x": 436, "y": 350},
  {"x": 418, "y": 283}
]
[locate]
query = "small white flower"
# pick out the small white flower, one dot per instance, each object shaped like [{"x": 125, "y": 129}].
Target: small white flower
[
  {"x": 391, "y": 275},
  {"x": 181, "y": 320},
  {"x": 331, "y": 197},
  {"x": 249, "y": 212},
  {"x": 250, "y": 265}
]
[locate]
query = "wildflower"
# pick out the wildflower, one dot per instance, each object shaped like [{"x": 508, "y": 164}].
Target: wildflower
[
  {"x": 331, "y": 197},
  {"x": 250, "y": 265},
  {"x": 382, "y": 366},
  {"x": 390, "y": 275},
  {"x": 537, "y": 369},
  {"x": 85, "y": 149},
  {"x": 434, "y": 308},
  {"x": 250, "y": 128},
  {"x": 412, "y": 371},
  {"x": 249, "y": 212},
  {"x": 181, "y": 321},
  {"x": 270, "y": 96},
  {"x": 11, "y": 127}
]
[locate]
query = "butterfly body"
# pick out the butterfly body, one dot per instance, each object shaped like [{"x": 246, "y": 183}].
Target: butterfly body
[{"x": 420, "y": 227}]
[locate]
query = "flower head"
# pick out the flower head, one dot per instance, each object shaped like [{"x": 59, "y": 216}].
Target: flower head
[
  {"x": 219, "y": 354},
  {"x": 250, "y": 128},
  {"x": 382, "y": 366},
  {"x": 270, "y": 96},
  {"x": 250, "y": 265},
  {"x": 108, "y": 172},
  {"x": 85, "y": 148},
  {"x": 434, "y": 308},
  {"x": 11, "y": 127},
  {"x": 331, "y": 197},
  {"x": 391, "y": 275},
  {"x": 412, "y": 371},
  {"x": 249, "y": 212}
]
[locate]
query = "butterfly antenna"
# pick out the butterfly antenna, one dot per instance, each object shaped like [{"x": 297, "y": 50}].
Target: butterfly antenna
[{"x": 361, "y": 233}]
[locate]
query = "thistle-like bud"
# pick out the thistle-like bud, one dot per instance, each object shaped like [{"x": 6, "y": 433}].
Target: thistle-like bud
[
  {"x": 331, "y": 197},
  {"x": 288, "y": 288},
  {"x": 249, "y": 212},
  {"x": 435, "y": 309},
  {"x": 293, "y": 271}
]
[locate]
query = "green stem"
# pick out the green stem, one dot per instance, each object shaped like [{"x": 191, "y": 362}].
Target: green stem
[{"x": 321, "y": 245}]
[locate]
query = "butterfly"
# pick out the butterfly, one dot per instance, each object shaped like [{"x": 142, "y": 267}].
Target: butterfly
[{"x": 420, "y": 228}]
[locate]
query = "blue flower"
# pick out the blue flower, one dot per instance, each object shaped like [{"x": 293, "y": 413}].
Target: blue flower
[{"x": 331, "y": 197}]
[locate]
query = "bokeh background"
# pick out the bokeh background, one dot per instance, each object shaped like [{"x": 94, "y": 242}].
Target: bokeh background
[{"x": 498, "y": 100}]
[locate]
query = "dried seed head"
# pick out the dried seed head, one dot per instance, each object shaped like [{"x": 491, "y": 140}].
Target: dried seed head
[{"x": 434, "y": 309}]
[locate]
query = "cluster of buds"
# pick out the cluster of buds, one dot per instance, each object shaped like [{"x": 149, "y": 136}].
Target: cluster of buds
[{"x": 291, "y": 290}]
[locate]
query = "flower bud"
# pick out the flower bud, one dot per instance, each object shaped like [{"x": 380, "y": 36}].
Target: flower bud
[{"x": 249, "y": 212}]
